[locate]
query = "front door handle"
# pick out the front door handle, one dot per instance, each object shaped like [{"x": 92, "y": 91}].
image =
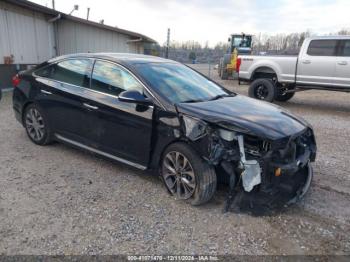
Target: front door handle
[
  {"x": 342, "y": 63},
  {"x": 45, "y": 92},
  {"x": 306, "y": 62},
  {"x": 90, "y": 106}
]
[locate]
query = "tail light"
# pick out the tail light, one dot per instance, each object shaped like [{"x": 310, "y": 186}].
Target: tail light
[
  {"x": 238, "y": 64},
  {"x": 16, "y": 80}
]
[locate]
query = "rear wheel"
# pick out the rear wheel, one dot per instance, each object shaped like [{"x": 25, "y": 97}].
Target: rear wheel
[
  {"x": 263, "y": 89},
  {"x": 36, "y": 125},
  {"x": 186, "y": 175},
  {"x": 282, "y": 96},
  {"x": 224, "y": 74}
]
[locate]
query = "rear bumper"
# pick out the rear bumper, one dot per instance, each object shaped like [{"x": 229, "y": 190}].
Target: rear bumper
[
  {"x": 17, "y": 104},
  {"x": 18, "y": 114}
]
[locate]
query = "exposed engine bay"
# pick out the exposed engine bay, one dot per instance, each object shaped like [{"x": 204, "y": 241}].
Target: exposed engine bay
[{"x": 262, "y": 174}]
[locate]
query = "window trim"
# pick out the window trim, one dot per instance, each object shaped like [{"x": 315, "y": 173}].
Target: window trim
[
  {"x": 62, "y": 60},
  {"x": 335, "y": 50},
  {"x": 156, "y": 100}
]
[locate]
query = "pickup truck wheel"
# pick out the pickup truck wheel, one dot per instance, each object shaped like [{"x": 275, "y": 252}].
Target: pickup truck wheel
[
  {"x": 186, "y": 175},
  {"x": 224, "y": 74},
  {"x": 283, "y": 97},
  {"x": 263, "y": 89}
]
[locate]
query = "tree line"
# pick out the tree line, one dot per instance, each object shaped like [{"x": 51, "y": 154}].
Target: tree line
[{"x": 289, "y": 44}]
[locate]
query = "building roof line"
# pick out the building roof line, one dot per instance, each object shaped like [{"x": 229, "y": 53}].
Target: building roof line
[{"x": 49, "y": 11}]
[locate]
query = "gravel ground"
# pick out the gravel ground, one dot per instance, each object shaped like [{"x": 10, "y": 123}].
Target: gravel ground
[{"x": 58, "y": 200}]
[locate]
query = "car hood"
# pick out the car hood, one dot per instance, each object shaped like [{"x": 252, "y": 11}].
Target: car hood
[{"x": 247, "y": 115}]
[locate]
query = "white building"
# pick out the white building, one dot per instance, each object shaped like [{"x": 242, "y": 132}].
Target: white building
[{"x": 31, "y": 33}]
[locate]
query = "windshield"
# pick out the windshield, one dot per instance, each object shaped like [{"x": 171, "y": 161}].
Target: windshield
[
  {"x": 177, "y": 83},
  {"x": 239, "y": 41}
]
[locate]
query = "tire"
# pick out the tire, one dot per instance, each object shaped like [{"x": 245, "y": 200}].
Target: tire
[
  {"x": 227, "y": 59},
  {"x": 283, "y": 97},
  {"x": 220, "y": 68},
  {"x": 263, "y": 89},
  {"x": 224, "y": 75},
  {"x": 36, "y": 125},
  {"x": 202, "y": 179}
]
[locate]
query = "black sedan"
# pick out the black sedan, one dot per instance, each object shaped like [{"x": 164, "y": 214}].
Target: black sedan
[{"x": 157, "y": 114}]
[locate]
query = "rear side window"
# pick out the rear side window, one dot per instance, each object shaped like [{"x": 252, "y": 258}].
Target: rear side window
[
  {"x": 322, "y": 48},
  {"x": 72, "y": 71},
  {"x": 112, "y": 79},
  {"x": 346, "y": 48}
]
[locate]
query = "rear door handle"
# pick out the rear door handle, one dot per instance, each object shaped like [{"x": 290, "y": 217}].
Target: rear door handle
[
  {"x": 45, "y": 92},
  {"x": 342, "y": 63},
  {"x": 306, "y": 62},
  {"x": 90, "y": 106}
]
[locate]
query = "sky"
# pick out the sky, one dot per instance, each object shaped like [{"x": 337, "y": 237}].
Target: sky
[{"x": 213, "y": 21}]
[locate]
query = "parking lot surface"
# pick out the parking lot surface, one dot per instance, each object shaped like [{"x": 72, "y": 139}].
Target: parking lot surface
[{"x": 59, "y": 200}]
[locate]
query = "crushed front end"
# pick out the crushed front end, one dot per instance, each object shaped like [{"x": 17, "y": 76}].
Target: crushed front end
[
  {"x": 263, "y": 174},
  {"x": 267, "y": 174}
]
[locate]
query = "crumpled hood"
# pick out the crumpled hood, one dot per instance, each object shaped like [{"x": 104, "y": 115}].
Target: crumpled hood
[{"x": 255, "y": 117}]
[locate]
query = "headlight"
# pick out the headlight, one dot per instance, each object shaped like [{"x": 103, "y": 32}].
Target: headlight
[
  {"x": 194, "y": 128},
  {"x": 227, "y": 135}
]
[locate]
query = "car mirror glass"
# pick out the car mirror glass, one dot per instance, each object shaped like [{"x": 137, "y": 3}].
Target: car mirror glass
[{"x": 134, "y": 96}]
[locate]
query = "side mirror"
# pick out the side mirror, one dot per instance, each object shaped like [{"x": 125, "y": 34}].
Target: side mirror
[{"x": 133, "y": 96}]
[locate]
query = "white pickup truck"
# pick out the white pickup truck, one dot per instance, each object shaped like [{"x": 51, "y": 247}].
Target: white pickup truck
[{"x": 323, "y": 63}]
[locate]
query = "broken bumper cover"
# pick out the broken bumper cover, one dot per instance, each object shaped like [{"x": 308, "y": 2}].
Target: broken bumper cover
[
  {"x": 304, "y": 189},
  {"x": 281, "y": 177}
]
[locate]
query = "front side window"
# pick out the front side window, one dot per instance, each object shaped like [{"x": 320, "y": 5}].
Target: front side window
[
  {"x": 322, "y": 48},
  {"x": 346, "y": 48},
  {"x": 112, "y": 79},
  {"x": 72, "y": 71}
]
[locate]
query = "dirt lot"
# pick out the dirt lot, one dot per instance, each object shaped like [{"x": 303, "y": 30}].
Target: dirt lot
[{"x": 58, "y": 200}]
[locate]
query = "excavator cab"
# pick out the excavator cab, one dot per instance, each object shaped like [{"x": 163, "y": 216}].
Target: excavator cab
[
  {"x": 239, "y": 44},
  {"x": 243, "y": 43}
]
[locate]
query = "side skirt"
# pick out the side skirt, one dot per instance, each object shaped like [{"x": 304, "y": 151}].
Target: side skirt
[{"x": 99, "y": 152}]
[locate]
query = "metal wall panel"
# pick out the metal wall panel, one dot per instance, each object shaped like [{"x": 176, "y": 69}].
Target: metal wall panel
[
  {"x": 30, "y": 38},
  {"x": 4, "y": 40},
  {"x": 76, "y": 37},
  {"x": 25, "y": 34}
]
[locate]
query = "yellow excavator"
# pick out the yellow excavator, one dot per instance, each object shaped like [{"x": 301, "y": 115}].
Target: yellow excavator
[{"x": 239, "y": 44}]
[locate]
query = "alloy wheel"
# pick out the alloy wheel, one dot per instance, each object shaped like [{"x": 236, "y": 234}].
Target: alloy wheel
[
  {"x": 35, "y": 124},
  {"x": 261, "y": 92},
  {"x": 178, "y": 175}
]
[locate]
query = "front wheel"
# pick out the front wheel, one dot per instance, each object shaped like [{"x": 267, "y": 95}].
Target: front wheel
[
  {"x": 186, "y": 175},
  {"x": 263, "y": 89}
]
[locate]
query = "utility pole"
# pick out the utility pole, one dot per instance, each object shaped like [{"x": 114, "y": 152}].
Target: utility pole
[
  {"x": 53, "y": 4},
  {"x": 88, "y": 13},
  {"x": 167, "y": 44}
]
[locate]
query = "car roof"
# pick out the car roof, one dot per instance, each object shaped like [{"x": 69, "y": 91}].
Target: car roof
[
  {"x": 125, "y": 58},
  {"x": 330, "y": 37}
]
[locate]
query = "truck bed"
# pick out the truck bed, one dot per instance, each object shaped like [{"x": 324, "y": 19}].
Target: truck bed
[{"x": 283, "y": 65}]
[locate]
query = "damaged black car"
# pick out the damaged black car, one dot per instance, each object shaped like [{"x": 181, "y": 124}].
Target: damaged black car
[{"x": 160, "y": 115}]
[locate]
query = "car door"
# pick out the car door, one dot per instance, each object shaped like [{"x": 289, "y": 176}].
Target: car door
[
  {"x": 317, "y": 64},
  {"x": 122, "y": 129},
  {"x": 62, "y": 97},
  {"x": 342, "y": 71}
]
